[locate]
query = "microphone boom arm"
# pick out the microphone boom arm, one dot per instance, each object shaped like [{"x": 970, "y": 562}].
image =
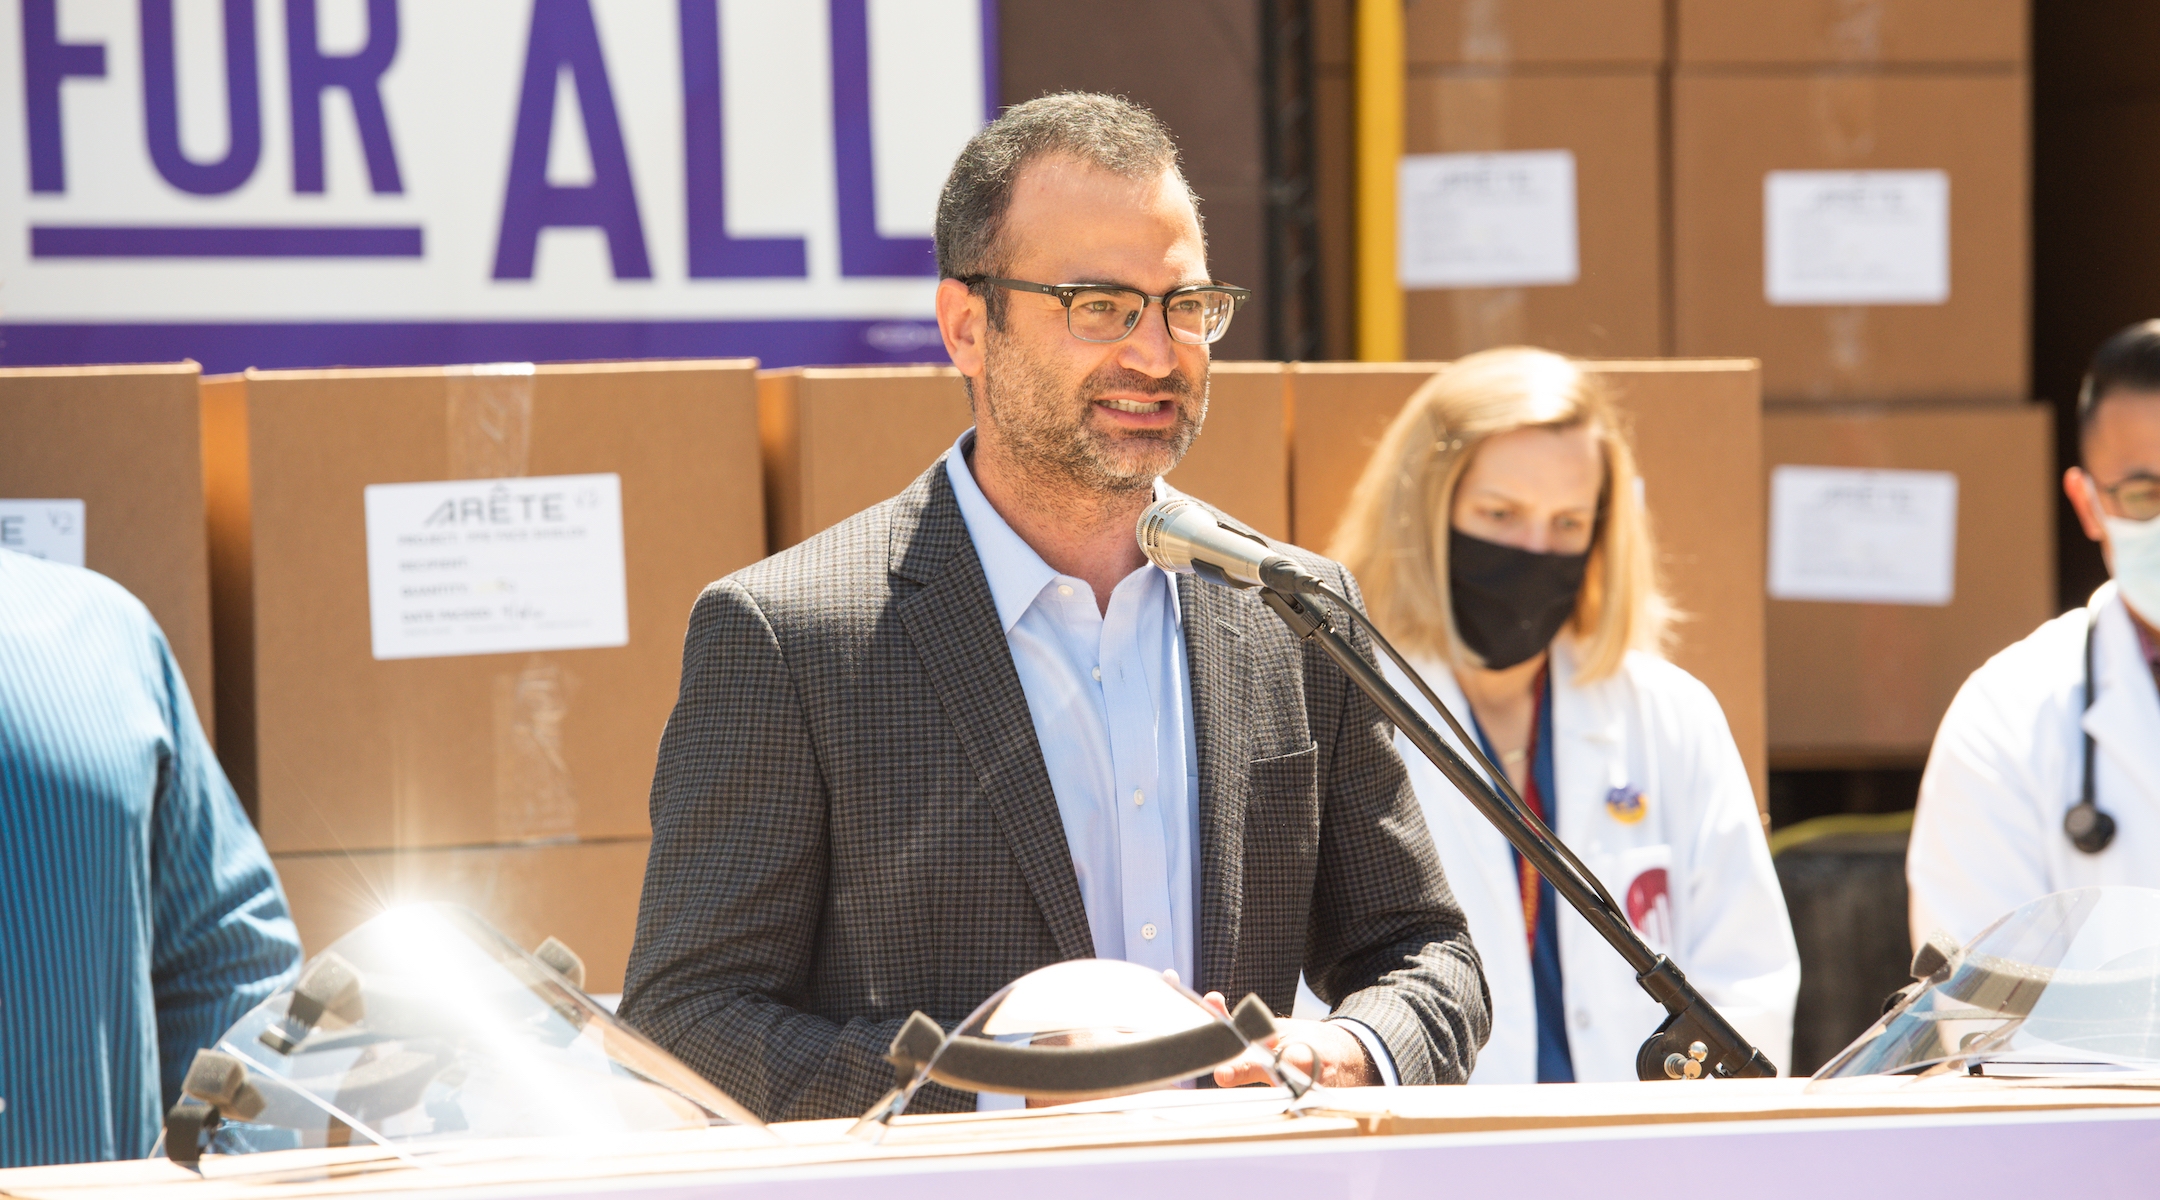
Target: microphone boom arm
[{"x": 1695, "y": 1041}]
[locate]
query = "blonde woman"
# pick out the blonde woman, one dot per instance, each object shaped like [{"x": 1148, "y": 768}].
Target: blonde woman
[{"x": 1500, "y": 536}]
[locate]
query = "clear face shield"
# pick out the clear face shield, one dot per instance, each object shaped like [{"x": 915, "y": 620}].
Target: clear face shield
[
  {"x": 1087, "y": 1029},
  {"x": 2066, "y": 987},
  {"x": 423, "y": 1028}
]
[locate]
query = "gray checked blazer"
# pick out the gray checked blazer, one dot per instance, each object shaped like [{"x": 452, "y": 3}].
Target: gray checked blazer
[{"x": 852, "y": 820}]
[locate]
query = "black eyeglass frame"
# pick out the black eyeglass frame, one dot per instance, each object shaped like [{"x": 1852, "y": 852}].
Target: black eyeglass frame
[
  {"x": 2113, "y": 491},
  {"x": 1066, "y": 291}
]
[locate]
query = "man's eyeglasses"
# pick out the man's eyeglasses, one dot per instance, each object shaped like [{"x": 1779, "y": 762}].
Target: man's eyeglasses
[
  {"x": 1101, "y": 312},
  {"x": 2136, "y": 497}
]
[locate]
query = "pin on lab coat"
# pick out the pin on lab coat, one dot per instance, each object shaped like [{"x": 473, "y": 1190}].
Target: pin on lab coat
[
  {"x": 2007, "y": 763},
  {"x": 1692, "y": 868}
]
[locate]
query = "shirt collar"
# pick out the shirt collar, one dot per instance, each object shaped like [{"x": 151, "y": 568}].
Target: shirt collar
[{"x": 1017, "y": 574}]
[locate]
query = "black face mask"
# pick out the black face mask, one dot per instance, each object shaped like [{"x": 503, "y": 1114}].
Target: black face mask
[{"x": 1510, "y": 603}]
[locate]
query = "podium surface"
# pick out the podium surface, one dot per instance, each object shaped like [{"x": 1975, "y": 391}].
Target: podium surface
[{"x": 1761, "y": 1138}]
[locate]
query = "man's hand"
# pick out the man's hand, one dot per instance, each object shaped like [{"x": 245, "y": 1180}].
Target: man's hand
[{"x": 1342, "y": 1060}]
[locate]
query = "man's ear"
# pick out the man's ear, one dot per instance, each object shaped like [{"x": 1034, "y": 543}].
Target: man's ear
[
  {"x": 2081, "y": 500},
  {"x": 963, "y": 322}
]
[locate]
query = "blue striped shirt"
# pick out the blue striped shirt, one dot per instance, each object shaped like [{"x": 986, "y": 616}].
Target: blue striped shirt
[{"x": 139, "y": 915}]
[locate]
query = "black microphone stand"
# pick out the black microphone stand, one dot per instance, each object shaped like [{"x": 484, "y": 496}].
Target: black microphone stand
[{"x": 1696, "y": 1041}]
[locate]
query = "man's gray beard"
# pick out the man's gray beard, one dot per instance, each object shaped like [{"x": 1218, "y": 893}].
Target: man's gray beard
[{"x": 1053, "y": 437}]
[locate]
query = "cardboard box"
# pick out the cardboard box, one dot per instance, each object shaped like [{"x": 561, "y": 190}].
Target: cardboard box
[
  {"x": 1698, "y": 443},
  {"x": 336, "y": 749},
  {"x": 1610, "y": 124},
  {"x": 1533, "y": 32},
  {"x": 127, "y": 442},
  {"x": 1579, "y": 75},
  {"x": 1338, "y": 412},
  {"x": 1758, "y": 33},
  {"x": 585, "y": 893},
  {"x": 1240, "y": 463},
  {"x": 838, "y": 440},
  {"x": 1729, "y": 132},
  {"x": 1508, "y": 32},
  {"x": 1853, "y": 684}
]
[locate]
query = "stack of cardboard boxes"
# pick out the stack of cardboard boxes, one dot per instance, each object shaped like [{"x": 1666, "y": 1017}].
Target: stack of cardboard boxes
[
  {"x": 450, "y": 611},
  {"x": 447, "y": 603},
  {"x": 1532, "y": 197},
  {"x": 1825, "y": 155},
  {"x": 1849, "y": 205},
  {"x": 1837, "y": 188},
  {"x": 1529, "y": 204}
]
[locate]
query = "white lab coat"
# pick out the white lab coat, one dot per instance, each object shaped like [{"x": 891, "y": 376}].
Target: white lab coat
[
  {"x": 1655, "y": 728},
  {"x": 1988, "y": 836}
]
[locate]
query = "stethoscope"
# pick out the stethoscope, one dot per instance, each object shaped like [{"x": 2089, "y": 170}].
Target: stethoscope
[{"x": 2088, "y": 828}]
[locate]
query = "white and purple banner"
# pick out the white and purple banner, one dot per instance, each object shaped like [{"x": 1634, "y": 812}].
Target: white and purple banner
[{"x": 285, "y": 183}]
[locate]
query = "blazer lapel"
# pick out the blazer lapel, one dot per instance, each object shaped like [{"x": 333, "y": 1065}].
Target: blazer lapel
[
  {"x": 954, "y": 624},
  {"x": 1219, "y": 662}
]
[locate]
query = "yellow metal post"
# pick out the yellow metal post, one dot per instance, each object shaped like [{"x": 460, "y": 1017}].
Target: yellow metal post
[{"x": 1379, "y": 150}]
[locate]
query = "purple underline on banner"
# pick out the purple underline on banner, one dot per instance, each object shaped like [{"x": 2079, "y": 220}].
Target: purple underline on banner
[{"x": 225, "y": 241}]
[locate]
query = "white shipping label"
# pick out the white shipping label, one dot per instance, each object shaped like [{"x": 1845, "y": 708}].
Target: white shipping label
[
  {"x": 496, "y": 566},
  {"x": 1869, "y": 537},
  {"x": 1856, "y": 237},
  {"x": 47, "y": 529},
  {"x": 1486, "y": 220}
]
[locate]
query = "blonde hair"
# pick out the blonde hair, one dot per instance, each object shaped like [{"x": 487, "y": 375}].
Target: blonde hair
[{"x": 1393, "y": 536}]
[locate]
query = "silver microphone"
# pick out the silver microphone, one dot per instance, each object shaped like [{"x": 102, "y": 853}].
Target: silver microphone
[{"x": 1179, "y": 534}]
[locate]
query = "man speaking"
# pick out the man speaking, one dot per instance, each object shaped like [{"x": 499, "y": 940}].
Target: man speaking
[{"x": 969, "y": 732}]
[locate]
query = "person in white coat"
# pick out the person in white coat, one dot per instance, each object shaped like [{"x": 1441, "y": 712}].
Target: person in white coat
[
  {"x": 1500, "y": 535},
  {"x": 2045, "y": 773}
]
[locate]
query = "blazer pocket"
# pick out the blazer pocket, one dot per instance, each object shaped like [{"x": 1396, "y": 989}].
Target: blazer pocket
[{"x": 1286, "y": 778}]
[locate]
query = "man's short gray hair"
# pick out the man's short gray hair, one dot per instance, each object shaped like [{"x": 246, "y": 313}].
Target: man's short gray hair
[{"x": 1109, "y": 132}]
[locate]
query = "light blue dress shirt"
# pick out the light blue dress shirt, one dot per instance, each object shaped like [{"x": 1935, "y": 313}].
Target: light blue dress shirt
[
  {"x": 1112, "y": 705},
  {"x": 1111, "y": 700}
]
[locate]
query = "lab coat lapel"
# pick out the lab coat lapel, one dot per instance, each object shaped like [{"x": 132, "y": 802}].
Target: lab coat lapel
[
  {"x": 1472, "y": 827},
  {"x": 1606, "y": 1011},
  {"x": 954, "y": 624},
  {"x": 2124, "y": 719},
  {"x": 1588, "y": 756},
  {"x": 1480, "y": 868},
  {"x": 1219, "y": 662}
]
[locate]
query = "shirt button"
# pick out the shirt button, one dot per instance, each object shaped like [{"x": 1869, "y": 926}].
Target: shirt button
[
  {"x": 1138, "y": 798},
  {"x": 1098, "y": 674},
  {"x": 1064, "y": 589},
  {"x": 1147, "y": 932},
  {"x": 1582, "y": 1018}
]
